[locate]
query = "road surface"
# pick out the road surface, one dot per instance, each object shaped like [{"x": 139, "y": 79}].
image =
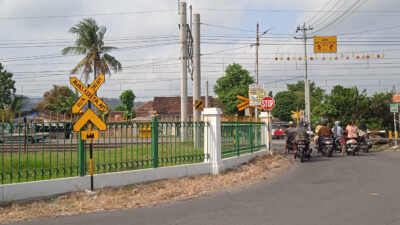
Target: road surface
[{"x": 360, "y": 190}]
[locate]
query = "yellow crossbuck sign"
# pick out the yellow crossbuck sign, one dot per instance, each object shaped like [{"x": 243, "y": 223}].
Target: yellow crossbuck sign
[{"x": 88, "y": 94}]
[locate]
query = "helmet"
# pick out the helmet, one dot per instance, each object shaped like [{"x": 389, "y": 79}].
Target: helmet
[
  {"x": 291, "y": 123},
  {"x": 317, "y": 122},
  {"x": 337, "y": 123},
  {"x": 324, "y": 121}
]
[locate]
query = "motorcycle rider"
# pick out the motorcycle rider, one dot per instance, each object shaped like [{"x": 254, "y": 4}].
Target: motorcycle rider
[
  {"x": 289, "y": 135},
  {"x": 323, "y": 132},
  {"x": 302, "y": 135},
  {"x": 352, "y": 133},
  {"x": 337, "y": 131},
  {"x": 316, "y": 137}
]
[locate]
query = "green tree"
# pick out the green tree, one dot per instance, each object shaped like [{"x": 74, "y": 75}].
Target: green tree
[
  {"x": 127, "y": 98},
  {"x": 90, "y": 43},
  {"x": 344, "y": 104},
  {"x": 7, "y": 87},
  {"x": 235, "y": 82},
  {"x": 285, "y": 102},
  {"x": 59, "y": 99},
  {"x": 378, "y": 115}
]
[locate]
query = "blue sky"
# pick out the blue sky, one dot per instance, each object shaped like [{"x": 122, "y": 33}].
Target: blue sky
[{"x": 149, "y": 49}]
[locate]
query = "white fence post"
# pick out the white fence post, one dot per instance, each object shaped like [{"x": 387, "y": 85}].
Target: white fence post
[
  {"x": 267, "y": 130},
  {"x": 212, "y": 138}
]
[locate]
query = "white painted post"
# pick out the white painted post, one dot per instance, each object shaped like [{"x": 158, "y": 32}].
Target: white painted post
[
  {"x": 267, "y": 116},
  {"x": 212, "y": 138}
]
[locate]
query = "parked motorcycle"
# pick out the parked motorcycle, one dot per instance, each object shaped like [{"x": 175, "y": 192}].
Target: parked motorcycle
[
  {"x": 303, "y": 151},
  {"x": 352, "y": 147},
  {"x": 365, "y": 143},
  {"x": 327, "y": 146}
]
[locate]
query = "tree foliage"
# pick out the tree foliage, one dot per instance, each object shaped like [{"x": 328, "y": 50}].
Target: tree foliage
[
  {"x": 235, "y": 82},
  {"x": 127, "y": 98},
  {"x": 7, "y": 87},
  {"x": 59, "y": 99},
  {"x": 90, "y": 43}
]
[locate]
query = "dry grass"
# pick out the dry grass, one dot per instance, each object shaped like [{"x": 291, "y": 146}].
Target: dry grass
[{"x": 148, "y": 194}]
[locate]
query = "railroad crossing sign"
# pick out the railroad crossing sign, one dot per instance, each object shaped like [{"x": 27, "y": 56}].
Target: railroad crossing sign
[
  {"x": 245, "y": 104},
  {"x": 325, "y": 44},
  {"x": 88, "y": 94},
  {"x": 297, "y": 114},
  {"x": 199, "y": 105},
  {"x": 268, "y": 103}
]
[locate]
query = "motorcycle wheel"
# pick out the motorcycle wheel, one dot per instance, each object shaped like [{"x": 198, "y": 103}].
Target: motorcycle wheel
[
  {"x": 330, "y": 153},
  {"x": 302, "y": 157},
  {"x": 354, "y": 153}
]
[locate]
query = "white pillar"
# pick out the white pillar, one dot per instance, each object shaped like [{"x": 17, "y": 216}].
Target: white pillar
[
  {"x": 267, "y": 116},
  {"x": 196, "y": 78},
  {"x": 212, "y": 138},
  {"x": 184, "y": 101}
]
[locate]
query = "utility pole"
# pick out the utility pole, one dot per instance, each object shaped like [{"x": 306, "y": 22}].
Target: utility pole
[
  {"x": 206, "y": 103},
  {"x": 306, "y": 82},
  {"x": 184, "y": 58},
  {"x": 196, "y": 76},
  {"x": 258, "y": 44}
]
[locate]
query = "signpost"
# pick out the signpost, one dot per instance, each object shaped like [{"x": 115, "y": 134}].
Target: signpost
[
  {"x": 89, "y": 96},
  {"x": 394, "y": 108},
  {"x": 256, "y": 94},
  {"x": 325, "y": 44},
  {"x": 268, "y": 103}
]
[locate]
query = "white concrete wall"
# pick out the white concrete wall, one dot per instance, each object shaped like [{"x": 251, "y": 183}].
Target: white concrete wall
[{"x": 19, "y": 191}]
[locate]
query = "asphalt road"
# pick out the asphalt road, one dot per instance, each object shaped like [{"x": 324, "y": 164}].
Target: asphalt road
[{"x": 360, "y": 190}]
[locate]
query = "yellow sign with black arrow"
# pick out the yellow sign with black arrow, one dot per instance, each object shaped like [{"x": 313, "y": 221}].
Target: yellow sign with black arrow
[
  {"x": 89, "y": 115},
  {"x": 199, "y": 105}
]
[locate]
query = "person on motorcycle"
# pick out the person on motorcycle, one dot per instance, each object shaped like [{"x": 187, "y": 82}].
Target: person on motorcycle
[
  {"x": 316, "y": 137},
  {"x": 337, "y": 131},
  {"x": 362, "y": 129},
  {"x": 323, "y": 132},
  {"x": 352, "y": 133},
  {"x": 289, "y": 135},
  {"x": 302, "y": 135}
]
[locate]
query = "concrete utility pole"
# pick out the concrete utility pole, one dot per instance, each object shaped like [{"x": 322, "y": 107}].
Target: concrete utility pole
[
  {"x": 196, "y": 75},
  {"x": 206, "y": 103},
  {"x": 306, "y": 82},
  {"x": 258, "y": 44},
  {"x": 184, "y": 58}
]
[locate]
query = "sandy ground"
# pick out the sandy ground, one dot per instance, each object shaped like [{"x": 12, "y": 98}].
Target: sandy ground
[{"x": 145, "y": 195}]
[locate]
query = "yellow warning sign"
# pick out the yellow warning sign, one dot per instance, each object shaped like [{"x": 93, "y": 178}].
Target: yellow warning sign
[
  {"x": 89, "y": 115},
  {"x": 92, "y": 134},
  {"x": 88, "y": 94},
  {"x": 326, "y": 44},
  {"x": 199, "y": 105}
]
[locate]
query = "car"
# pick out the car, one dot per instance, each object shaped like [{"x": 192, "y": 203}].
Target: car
[{"x": 277, "y": 131}]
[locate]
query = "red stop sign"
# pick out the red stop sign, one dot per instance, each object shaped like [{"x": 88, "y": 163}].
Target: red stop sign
[{"x": 268, "y": 103}]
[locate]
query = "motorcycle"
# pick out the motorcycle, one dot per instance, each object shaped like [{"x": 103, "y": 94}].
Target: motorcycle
[
  {"x": 303, "y": 150},
  {"x": 291, "y": 144},
  {"x": 338, "y": 145},
  {"x": 365, "y": 143},
  {"x": 327, "y": 146},
  {"x": 352, "y": 147}
]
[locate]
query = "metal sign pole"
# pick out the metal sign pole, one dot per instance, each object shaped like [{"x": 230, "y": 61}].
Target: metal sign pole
[
  {"x": 268, "y": 133},
  {"x": 395, "y": 129}
]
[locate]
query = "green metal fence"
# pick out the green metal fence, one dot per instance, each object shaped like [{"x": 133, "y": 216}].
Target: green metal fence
[
  {"x": 241, "y": 137},
  {"x": 38, "y": 151}
]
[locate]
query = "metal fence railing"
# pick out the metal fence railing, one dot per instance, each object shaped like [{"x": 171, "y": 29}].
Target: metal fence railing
[
  {"x": 241, "y": 137},
  {"x": 37, "y": 151}
]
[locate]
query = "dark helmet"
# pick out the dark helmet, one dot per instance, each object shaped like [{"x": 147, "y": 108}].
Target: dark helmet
[{"x": 324, "y": 121}]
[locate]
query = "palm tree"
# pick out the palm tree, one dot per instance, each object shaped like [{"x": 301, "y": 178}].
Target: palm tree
[{"x": 90, "y": 43}]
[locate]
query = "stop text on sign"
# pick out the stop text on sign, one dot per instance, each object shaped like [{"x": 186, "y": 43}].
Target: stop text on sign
[{"x": 268, "y": 103}]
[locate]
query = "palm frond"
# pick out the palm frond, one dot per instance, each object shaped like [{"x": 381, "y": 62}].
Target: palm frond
[
  {"x": 112, "y": 62},
  {"x": 106, "y": 49},
  {"x": 74, "y": 50}
]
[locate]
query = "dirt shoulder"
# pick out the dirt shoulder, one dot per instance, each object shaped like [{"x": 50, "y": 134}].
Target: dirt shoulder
[{"x": 143, "y": 195}]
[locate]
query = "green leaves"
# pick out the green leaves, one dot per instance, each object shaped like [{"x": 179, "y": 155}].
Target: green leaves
[
  {"x": 127, "y": 98},
  {"x": 7, "y": 87},
  {"x": 59, "y": 99},
  {"x": 235, "y": 82}
]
